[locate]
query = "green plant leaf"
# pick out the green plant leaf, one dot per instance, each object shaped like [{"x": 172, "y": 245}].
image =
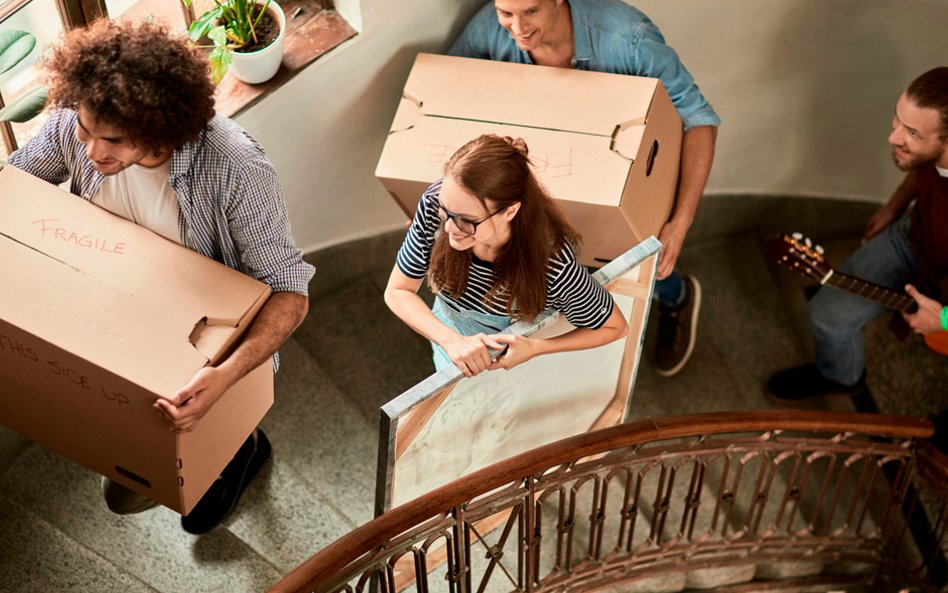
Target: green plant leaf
[
  {"x": 218, "y": 35},
  {"x": 14, "y": 46},
  {"x": 200, "y": 27},
  {"x": 26, "y": 107},
  {"x": 219, "y": 59}
]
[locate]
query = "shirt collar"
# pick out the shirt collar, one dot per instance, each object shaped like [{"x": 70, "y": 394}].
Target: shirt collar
[{"x": 182, "y": 158}]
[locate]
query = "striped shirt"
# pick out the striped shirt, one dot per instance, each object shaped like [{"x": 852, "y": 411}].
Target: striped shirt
[
  {"x": 230, "y": 201},
  {"x": 570, "y": 289}
]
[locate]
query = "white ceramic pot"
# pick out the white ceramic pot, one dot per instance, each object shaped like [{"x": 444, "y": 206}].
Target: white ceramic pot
[{"x": 260, "y": 66}]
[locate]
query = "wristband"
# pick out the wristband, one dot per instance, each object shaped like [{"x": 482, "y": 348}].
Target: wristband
[{"x": 944, "y": 318}]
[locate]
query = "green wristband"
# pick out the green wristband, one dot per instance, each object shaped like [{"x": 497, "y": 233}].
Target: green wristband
[{"x": 944, "y": 318}]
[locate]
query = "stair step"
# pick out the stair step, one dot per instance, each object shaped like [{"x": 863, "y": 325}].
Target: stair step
[
  {"x": 325, "y": 438},
  {"x": 372, "y": 360},
  {"x": 12, "y": 445},
  {"x": 37, "y": 557},
  {"x": 150, "y": 546},
  {"x": 710, "y": 578}
]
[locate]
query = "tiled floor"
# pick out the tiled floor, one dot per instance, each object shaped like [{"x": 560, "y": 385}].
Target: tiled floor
[{"x": 351, "y": 355}]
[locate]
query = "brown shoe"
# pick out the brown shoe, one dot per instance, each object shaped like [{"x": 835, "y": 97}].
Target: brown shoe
[{"x": 677, "y": 328}]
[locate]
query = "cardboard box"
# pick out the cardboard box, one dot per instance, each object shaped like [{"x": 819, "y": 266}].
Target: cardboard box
[
  {"x": 606, "y": 145},
  {"x": 100, "y": 317}
]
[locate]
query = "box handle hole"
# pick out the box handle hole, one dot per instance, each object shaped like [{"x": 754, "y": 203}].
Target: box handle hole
[
  {"x": 650, "y": 161},
  {"x": 133, "y": 476}
]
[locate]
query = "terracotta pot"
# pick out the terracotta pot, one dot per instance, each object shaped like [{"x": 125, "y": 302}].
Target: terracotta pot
[{"x": 260, "y": 66}]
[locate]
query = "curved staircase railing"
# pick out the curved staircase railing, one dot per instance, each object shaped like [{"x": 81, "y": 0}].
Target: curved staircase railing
[{"x": 742, "y": 501}]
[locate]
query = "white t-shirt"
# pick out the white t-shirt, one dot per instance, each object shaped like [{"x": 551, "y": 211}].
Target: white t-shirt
[
  {"x": 144, "y": 196},
  {"x": 941, "y": 172}
]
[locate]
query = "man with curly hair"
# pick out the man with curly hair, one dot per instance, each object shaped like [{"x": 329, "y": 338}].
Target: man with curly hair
[{"x": 134, "y": 131}]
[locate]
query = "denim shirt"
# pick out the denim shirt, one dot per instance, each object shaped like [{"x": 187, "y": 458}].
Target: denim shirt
[{"x": 609, "y": 36}]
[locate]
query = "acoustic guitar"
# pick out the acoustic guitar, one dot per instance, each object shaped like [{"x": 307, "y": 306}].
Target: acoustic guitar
[{"x": 799, "y": 254}]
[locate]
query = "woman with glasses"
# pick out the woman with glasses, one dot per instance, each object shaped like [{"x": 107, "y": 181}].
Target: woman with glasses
[{"x": 495, "y": 247}]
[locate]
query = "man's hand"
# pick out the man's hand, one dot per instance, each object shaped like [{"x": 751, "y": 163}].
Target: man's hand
[
  {"x": 672, "y": 237},
  {"x": 182, "y": 411},
  {"x": 281, "y": 314},
  {"x": 928, "y": 317},
  {"x": 879, "y": 221},
  {"x": 469, "y": 353},
  {"x": 697, "y": 154},
  {"x": 519, "y": 351}
]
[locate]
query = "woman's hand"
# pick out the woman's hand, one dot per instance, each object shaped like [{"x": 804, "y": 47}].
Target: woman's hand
[
  {"x": 519, "y": 350},
  {"x": 470, "y": 353}
]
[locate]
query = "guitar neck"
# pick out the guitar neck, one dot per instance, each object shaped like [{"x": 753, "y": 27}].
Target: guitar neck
[{"x": 873, "y": 292}]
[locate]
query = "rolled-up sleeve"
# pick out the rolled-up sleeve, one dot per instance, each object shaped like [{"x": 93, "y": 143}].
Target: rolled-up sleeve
[
  {"x": 414, "y": 256},
  {"x": 656, "y": 59},
  {"x": 43, "y": 156},
  {"x": 474, "y": 41},
  {"x": 260, "y": 228}
]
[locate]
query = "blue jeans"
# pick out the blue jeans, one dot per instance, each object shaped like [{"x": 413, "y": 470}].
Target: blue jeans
[
  {"x": 670, "y": 291},
  {"x": 466, "y": 323},
  {"x": 837, "y": 317}
]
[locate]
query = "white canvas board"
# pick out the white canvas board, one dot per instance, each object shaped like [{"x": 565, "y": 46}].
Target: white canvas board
[
  {"x": 498, "y": 414},
  {"x": 449, "y": 426}
]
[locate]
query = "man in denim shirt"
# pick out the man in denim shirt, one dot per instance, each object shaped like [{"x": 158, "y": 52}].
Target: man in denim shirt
[
  {"x": 611, "y": 36},
  {"x": 135, "y": 133}
]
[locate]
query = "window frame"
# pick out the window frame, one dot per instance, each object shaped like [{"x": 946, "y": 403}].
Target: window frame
[
  {"x": 72, "y": 14},
  {"x": 233, "y": 96}
]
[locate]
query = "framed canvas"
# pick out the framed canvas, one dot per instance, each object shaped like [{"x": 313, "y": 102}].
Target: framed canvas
[{"x": 448, "y": 425}]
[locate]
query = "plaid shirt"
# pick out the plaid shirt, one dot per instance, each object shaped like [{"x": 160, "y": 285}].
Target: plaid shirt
[{"x": 230, "y": 202}]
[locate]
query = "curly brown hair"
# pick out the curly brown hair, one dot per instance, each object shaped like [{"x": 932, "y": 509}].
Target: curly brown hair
[{"x": 136, "y": 77}]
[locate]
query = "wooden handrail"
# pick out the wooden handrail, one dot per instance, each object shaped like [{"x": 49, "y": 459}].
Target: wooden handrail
[{"x": 377, "y": 532}]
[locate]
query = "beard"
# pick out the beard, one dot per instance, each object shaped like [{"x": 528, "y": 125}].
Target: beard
[{"x": 908, "y": 161}]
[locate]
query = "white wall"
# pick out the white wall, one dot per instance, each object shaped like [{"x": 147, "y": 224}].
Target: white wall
[
  {"x": 325, "y": 129},
  {"x": 805, "y": 89}
]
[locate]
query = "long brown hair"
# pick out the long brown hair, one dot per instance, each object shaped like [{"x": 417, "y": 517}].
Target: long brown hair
[{"x": 498, "y": 169}]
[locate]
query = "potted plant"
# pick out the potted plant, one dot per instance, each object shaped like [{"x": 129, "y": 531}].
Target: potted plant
[
  {"x": 246, "y": 34},
  {"x": 14, "y": 47}
]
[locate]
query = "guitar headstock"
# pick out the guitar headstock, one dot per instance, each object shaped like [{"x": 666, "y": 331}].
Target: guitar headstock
[{"x": 799, "y": 254}]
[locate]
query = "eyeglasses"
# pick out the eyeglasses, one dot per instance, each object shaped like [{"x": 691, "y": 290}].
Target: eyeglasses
[{"x": 464, "y": 225}]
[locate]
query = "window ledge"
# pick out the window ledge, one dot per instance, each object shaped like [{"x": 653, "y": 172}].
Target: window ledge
[{"x": 310, "y": 33}]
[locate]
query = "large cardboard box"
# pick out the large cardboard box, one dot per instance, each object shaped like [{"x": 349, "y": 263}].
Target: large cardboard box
[
  {"x": 606, "y": 145},
  {"x": 99, "y": 318}
]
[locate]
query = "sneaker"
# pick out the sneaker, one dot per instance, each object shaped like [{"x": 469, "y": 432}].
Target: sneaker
[
  {"x": 806, "y": 382},
  {"x": 221, "y": 498},
  {"x": 677, "y": 328}
]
